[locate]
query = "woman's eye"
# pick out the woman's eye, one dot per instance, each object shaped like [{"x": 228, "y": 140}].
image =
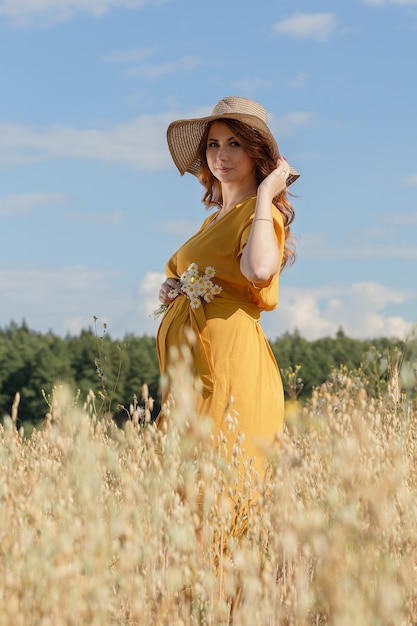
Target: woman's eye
[{"x": 215, "y": 144}]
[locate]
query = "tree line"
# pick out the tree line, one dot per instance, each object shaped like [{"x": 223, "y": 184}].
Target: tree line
[{"x": 33, "y": 363}]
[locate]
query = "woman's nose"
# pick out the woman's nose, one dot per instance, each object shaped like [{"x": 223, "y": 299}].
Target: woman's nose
[{"x": 222, "y": 154}]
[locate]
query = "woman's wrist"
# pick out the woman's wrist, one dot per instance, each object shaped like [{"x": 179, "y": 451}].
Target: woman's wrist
[{"x": 263, "y": 205}]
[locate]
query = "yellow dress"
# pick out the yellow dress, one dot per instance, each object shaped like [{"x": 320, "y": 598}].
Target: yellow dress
[{"x": 232, "y": 357}]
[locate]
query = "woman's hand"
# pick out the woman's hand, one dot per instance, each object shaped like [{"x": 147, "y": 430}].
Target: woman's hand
[
  {"x": 276, "y": 181},
  {"x": 170, "y": 283}
]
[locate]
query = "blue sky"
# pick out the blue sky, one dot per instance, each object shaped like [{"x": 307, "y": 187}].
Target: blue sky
[{"x": 91, "y": 206}]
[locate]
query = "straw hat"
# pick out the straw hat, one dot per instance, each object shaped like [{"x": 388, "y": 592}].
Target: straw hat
[{"x": 184, "y": 136}]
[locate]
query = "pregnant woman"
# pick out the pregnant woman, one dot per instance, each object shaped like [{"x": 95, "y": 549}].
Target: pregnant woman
[{"x": 222, "y": 278}]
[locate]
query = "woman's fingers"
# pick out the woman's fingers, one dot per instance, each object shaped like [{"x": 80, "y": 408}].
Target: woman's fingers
[
  {"x": 283, "y": 166},
  {"x": 166, "y": 287},
  {"x": 276, "y": 181}
]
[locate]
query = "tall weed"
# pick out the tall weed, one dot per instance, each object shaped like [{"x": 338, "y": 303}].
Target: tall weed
[{"x": 102, "y": 525}]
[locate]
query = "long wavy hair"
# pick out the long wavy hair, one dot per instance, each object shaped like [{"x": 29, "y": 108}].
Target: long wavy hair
[{"x": 263, "y": 153}]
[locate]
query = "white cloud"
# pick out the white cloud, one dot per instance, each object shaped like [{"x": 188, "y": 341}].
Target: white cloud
[
  {"x": 289, "y": 124},
  {"x": 182, "y": 227},
  {"x": 308, "y": 25},
  {"x": 358, "y": 309},
  {"x": 150, "y": 71},
  {"x": 113, "y": 217},
  {"x": 400, "y": 220},
  {"x": 23, "y": 11},
  {"x": 317, "y": 247},
  {"x": 410, "y": 181},
  {"x": 299, "y": 81},
  {"x": 380, "y": 3},
  {"x": 148, "y": 292},
  {"x": 22, "y": 203},
  {"x": 128, "y": 56},
  {"x": 396, "y": 251},
  {"x": 251, "y": 85},
  {"x": 139, "y": 143},
  {"x": 185, "y": 64},
  {"x": 52, "y": 298}
]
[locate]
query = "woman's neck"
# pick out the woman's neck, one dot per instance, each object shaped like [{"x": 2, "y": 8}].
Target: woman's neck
[{"x": 232, "y": 197}]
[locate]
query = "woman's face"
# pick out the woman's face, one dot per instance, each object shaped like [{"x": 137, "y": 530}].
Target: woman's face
[{"x": 226, "y": 158}]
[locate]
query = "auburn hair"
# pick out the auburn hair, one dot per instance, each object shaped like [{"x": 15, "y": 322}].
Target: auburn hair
[{"x": 257, "y": 146}]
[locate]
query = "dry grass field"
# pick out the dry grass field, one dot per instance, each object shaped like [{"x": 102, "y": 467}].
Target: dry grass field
[{"x": 101, "y": 525}]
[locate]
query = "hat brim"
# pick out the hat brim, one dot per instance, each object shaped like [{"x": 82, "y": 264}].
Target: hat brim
[{"x": 184, "y": 139}]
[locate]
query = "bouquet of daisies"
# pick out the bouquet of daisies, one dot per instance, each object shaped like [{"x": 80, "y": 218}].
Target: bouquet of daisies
[{"x": 197, "y": 288}]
